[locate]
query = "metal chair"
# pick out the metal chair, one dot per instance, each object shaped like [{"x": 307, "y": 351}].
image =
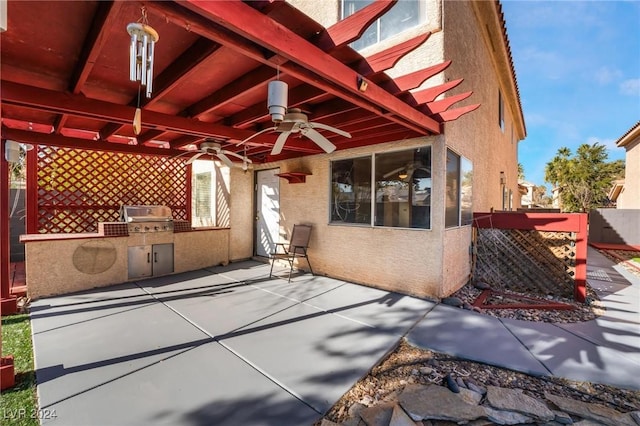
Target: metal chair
[{"x": 297, "y": 248}]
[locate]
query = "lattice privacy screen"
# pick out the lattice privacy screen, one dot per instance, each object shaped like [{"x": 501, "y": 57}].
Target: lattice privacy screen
[
  {"x": 79, "y": 188},
  {"x": 526, "y": 261}
]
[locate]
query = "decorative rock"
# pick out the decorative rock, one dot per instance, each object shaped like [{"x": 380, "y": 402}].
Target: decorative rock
[
  {"x": 477, "y": 309},
  {"x": 355, "y": 409},
  {"x": 414, "y": 372},
  {"x": 562, "y": 418},
  {"x": 460, "y": 382},
  {"x": 400, "y": 418},
  {"x": 452, "y": 301},
  {"x": 590, "y": 411},
  {"x": 367, "y": 400},
  {"x": 481, "y": 285},
  {"x": 479, "y": 389},
  {"x": 635, "y": 416},
  {"x": 451, "y": 384},
  {"x": 506, "y": 417},
  {"x": 326, "y": 422},
  {"x": 438, "y": 403},
  {"x": 467, "y": 306},
  {"x": 470, "y": 396},
  {"x": 515, "y": 400},
  {"x": 378, "y": 415},
  {"x": 426, "y": 370}
]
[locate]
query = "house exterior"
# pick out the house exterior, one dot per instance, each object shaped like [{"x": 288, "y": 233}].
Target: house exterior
[
  {"x": 471, "y": 166},
  {"x": 391, "y": 207},
  {"x": 526, "y": 191},
  {"x": 626, "y": 194}
]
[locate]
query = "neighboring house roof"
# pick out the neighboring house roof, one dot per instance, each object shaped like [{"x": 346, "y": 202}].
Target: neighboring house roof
[
  {"x": 631, "y": 135},
  {"x": 615, "y": 190}
]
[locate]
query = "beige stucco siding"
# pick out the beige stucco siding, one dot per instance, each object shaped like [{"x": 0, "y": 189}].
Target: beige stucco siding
[
  {"x": 477, "y": 135},
  {"x": 630, "y": 197}
]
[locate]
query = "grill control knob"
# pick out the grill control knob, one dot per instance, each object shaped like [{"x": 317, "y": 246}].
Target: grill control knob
[
  {"x": 146, "y": 228},
  {"x": 157, "y": 228},
  {"x": 136, "y": 228}
]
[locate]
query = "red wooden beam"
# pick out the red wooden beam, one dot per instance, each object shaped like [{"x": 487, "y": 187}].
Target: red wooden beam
[
  {"x": 271, "y": 35},
  {"x": 412, "y": 80},
  {"x": 431, "y": 93},
  {"x": 352, "y": 27},
  {"x": 179, "y": 70},
  {"x": 387, "y": 58},
  {"x": 69, "y": 142},
  {"x": 57, "y": 102},
  {"x": 436, "y": 107},
  {"x": 455, "y": 113}
]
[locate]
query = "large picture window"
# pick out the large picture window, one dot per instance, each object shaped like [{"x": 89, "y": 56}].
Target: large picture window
[
  {"x": 403, "y": 15},
  {"x": 459, "y": 186},
  {"x": 401, "y": 184},
  {"x": 351, "y": 190}
]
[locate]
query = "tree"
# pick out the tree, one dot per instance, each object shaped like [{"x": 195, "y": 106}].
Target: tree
[
  {"x": 520, "y": 171},
  {"x": 583, "y": 179},
  {"x": 540, "y": 197}
]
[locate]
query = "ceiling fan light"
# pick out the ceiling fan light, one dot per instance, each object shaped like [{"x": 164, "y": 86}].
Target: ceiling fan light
[
  {"x": 403, "y": 175},
  {"x": 277, "y": 100}
]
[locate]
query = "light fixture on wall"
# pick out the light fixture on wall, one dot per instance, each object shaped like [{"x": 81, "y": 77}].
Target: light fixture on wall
[
  {"x": 503, "y": 178},
  {"x": 403, "y": 175}
]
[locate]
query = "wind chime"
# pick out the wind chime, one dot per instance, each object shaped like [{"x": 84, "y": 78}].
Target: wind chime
[{"x": 143, "y": 40}]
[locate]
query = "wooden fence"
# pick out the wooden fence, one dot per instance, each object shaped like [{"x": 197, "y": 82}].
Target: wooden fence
[{"x": 539, "y": 253}]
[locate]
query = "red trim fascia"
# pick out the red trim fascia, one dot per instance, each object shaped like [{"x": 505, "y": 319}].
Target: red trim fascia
[{"x": 276, "y": 37}]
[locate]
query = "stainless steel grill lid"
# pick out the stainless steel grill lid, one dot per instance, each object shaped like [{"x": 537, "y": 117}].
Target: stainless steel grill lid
[
  {"x": 147, "y": 218},
  {"x": 145, "y": 214}
]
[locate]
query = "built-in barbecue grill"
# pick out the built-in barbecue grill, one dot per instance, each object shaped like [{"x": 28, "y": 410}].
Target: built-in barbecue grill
[{"x": 147, "y": 218}]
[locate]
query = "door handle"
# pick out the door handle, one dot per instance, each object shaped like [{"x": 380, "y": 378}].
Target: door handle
[
  {"x": 155, "y": 257},
  {"x": 148, "y": 257}
]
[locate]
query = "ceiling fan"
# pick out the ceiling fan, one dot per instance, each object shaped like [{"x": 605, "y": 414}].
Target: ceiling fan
[
  {"x": 214, "y": 149},
  {"x": 292, "y": 121},
  {"x": 405, "y": 173}
]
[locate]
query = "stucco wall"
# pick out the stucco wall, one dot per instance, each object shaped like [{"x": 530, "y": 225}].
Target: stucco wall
[
  {"x": 404, "y": 260},
  {"x": 422, "y": 262},
  {"x": 241, "y": 213},
  {"x": 630, "y": 196},
  {"x": 477, "y": 135}
]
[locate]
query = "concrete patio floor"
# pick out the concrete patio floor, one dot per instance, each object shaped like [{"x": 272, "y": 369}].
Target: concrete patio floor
[
  {"x": 223, "y": 346},
  {"x": 229, "y": 346}
]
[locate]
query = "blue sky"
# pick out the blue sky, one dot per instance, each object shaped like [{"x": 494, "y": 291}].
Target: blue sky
[{"x": 578, "y": 70}]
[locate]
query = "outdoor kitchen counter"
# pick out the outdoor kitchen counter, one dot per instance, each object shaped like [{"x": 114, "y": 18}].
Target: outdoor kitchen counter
[{"x": 65, "y": 263}]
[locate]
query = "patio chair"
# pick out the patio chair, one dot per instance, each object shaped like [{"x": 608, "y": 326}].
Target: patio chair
[{"x": 296, "y": 249}]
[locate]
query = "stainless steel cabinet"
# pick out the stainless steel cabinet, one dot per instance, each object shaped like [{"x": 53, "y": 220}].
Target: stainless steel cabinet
[{"x": 150, "y": 260}]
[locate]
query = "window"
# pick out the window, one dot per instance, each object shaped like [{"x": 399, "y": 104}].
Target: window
[
  {"x": 401, "y": 184},
  {"x": 403, "y": 15},
  {"x": 500, "y": 111},
  {"x": 459, "y": 186},
  {"x": 209, "y": 194},
  {"x": 351, "y": 190}
]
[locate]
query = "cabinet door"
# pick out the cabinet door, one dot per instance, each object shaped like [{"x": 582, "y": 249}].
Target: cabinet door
[
  {"x": 162, "y": 259},
  {"x": 139, "y": 258}
]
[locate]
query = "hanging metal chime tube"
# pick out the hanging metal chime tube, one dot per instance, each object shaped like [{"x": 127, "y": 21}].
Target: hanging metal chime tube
[{"x": 143, "y": 39}]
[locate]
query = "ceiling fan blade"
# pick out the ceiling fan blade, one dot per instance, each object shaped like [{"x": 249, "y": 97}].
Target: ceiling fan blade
[
  {"x": 331, "y": 129},
  {"x": 195, "y": 157},
  {"x": 256, "y": 134},
  {"x": 231, "y": 153},
  {"x": 277, "y": 148},
  {"x": 320, "y": 140},
  {"x": 393, "y": 172},
  {"x": 224, "y": 159}
]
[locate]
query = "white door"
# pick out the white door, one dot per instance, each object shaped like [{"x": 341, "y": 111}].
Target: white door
[{"x": 268, "y": 211}]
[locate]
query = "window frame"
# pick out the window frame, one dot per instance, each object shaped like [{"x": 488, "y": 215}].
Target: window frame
[
  {"x": 373, "y": 187},
  {"x": 378, "y": 22},
  {"x": 462, "y": 219}
]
